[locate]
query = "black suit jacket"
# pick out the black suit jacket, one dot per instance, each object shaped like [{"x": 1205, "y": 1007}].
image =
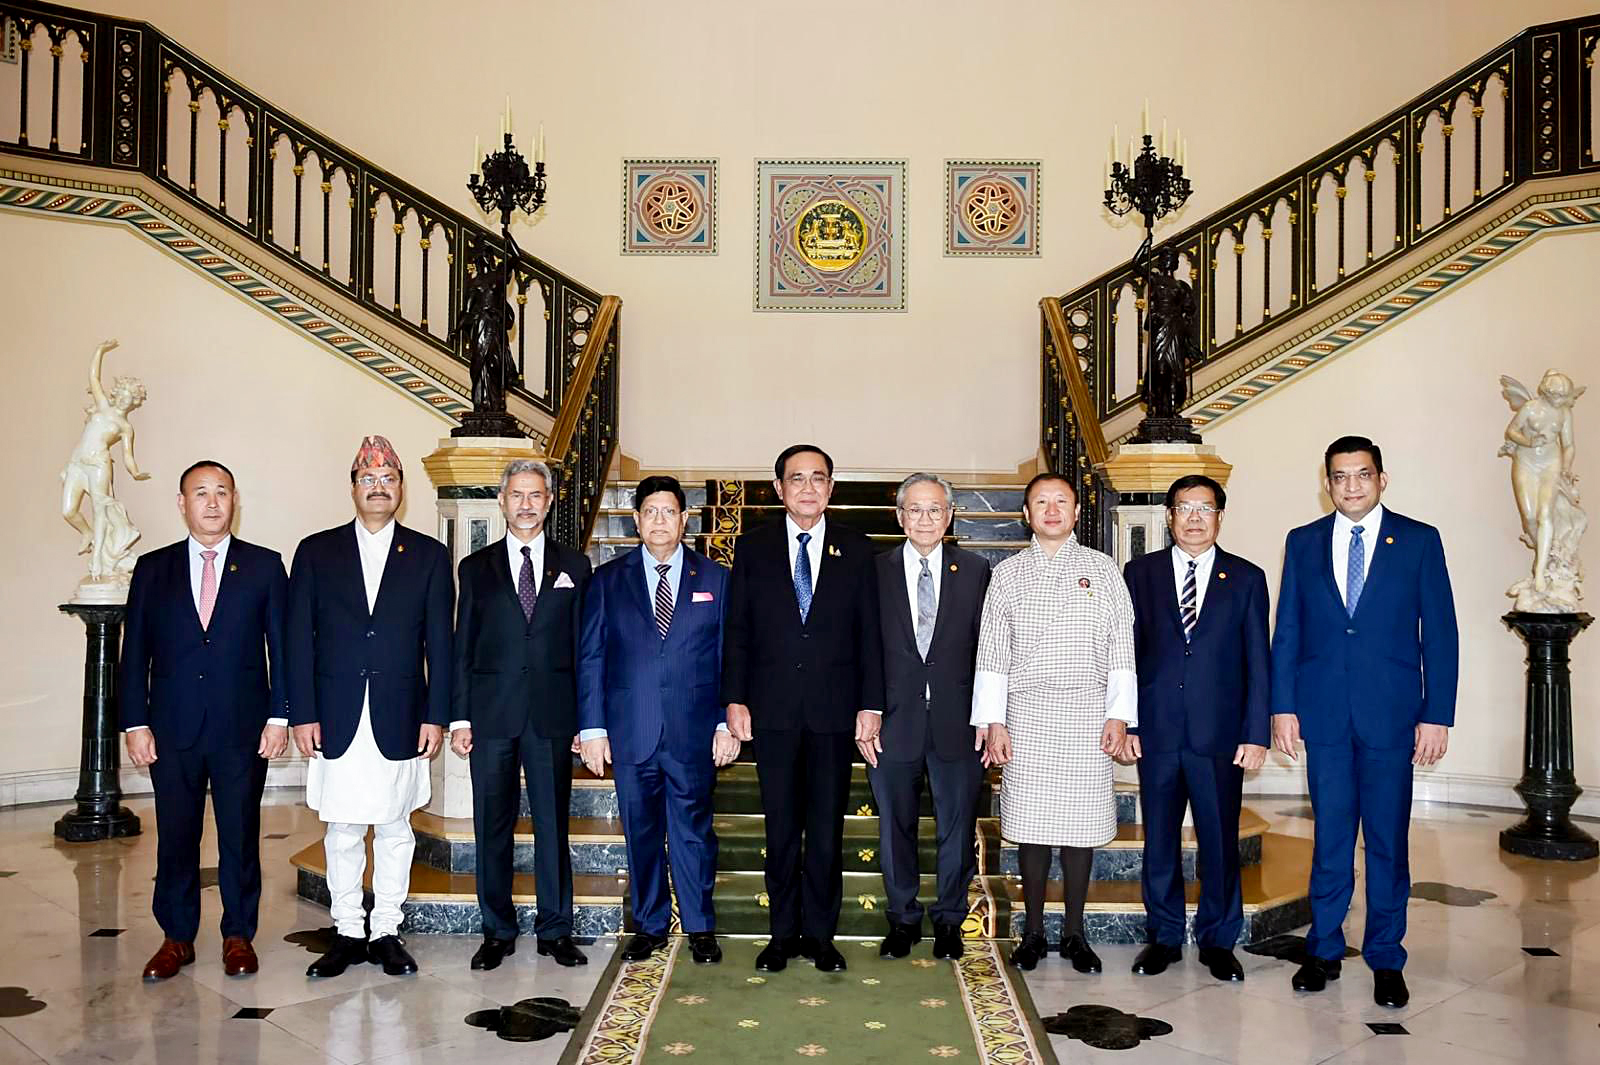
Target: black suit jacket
[
  {"x": 911, "y": 724},
  {"x": 398, "y": 652},
  {"x": 815, "y": 675},
  {"x": 1213, "y": 693},
  {"x": 509, "y": 669},
  {"x": 209, "y": 687}
]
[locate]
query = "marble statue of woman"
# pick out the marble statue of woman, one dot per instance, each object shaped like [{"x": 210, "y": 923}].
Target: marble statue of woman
[
  {"x": 1540, "y": 445},
  {"x": 107, "y": 534}
]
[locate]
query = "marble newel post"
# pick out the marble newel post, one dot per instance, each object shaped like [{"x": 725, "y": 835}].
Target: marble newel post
[{"x": 465, "y": 472}]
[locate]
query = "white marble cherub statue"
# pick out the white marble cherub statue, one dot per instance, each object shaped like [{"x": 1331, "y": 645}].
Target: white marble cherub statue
[
  {"x": 1540, "y": 445},
  {"x": 107, "y": 534}
]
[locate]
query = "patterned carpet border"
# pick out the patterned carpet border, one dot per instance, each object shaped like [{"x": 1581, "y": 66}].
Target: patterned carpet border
[
  {"x": 1003, "y": 1019},
  {"x": 616, "y": 1032}
]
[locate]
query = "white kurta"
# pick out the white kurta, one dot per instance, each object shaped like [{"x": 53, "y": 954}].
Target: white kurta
[
  {"x": 361, "y": 786},
  {"x": 1055, "y": 660}
]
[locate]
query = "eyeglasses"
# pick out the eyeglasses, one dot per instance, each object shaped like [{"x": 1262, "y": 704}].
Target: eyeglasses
[
  {"x": 1187, "y": 509},
  {"x": 659, "y": 513},
  {"x": 801, "y": 480},
  {"x": 388, "y": 480},
  {"x": 918, "y": 513},
  {"x": 1341, "y": 477}
]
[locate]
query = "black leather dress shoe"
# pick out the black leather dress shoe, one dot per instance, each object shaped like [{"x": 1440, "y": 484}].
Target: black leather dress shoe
[
  {"x": 900, "y": 940},
  {"x": 641, "y": 946},
  {"x": 1155, "y": 957},
  {"x": 703, "y": 947},
  {"x": 774, "y": 957},
  {"x": 492, "y": 953},
  {"x": 563, "y": 950},
  {"x": 828, "y": 958},
  {"x": 1083, "y": 959},
  {"x": 1314, "y": 974},
  {"x": 802, "y": 947},
  {"x": 947, "y": 941},
  {"x": 344, "y": 953},
  {"x": 1389, "y": 988},
  {"x": 1222, "y": 964},
  {"x": 390, "y": 952},
  {"x": 1026, "y": 954}
]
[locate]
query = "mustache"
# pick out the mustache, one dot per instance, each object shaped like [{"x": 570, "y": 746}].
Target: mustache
[{"x": 379, "y": 495}]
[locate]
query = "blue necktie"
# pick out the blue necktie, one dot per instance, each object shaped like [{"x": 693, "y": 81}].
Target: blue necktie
[
  {"x": 802, "y": 577},
  {"x": 1355, "y": 575}
]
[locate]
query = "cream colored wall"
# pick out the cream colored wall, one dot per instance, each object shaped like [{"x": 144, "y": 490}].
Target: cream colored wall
[
  {"x": 1427, "y": 391},
  {"x": 952, "y": 384},
  {"x": 225, "y": 382}
]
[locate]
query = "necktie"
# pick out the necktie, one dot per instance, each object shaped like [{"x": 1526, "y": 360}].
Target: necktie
[
  {"x": 1355, "y": 574},
  {"x": 663, "y": 599},
  {"x": 1186, "y": 604},
  {"x": 527, "y": 590},
  {"x": 208, "y": 588},
  {"x": 802, "y": 577},
  {"x": 927, "y": 610}
]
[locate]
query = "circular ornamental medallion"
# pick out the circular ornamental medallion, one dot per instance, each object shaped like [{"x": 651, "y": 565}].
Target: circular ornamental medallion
[
  {"x": 831, "y": 235},
  {"x": 992, "y": 207},
  {"x": 669, "y": 207}
]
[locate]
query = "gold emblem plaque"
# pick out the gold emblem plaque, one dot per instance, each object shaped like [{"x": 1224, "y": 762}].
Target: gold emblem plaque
[{"x": 831, "y": 235}]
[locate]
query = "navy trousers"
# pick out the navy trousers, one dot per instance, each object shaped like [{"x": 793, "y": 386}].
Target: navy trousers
[
  {"x": 898, "y": 788},
  {"x": 666, "y": 819},
  {"x": 179, "y": 779},
  {"x": 546, "y": 765},
  {"x": 1211, "y": 786},
  {"x": 1354, "y": 786}
]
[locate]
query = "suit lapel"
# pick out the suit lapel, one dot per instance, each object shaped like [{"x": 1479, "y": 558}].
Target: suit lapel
[
  {"x": 951, "y": 582},
  {"x": 179, "y": 576},
  {"x": 392, "y": 564},
  {"x": 227, "y": 577},
  {"x": 356, "y": 582},
  {"x": 552, "y": 569},
  {"x": 1216, "y": 597},
  {"x": 1167, "y": 581},
  {"x": 687, "y": 580},
  {"x": 635, "y": 582},
  {"x": 1325, "y": 563},
  {"x": 1379, "y": 548},
  {"x": 892, "y": 589},
  {"x": 505, "y": 580}
]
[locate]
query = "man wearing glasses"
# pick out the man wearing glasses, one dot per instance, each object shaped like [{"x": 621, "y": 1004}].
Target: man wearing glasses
[
  {"x": 1200, "y": 643},
  {"x": 930, "y": 594},
  {"x": 802, "y": 673},
  {"x": 1364, "y": 666},
  {"x": 369, "y": 696}
]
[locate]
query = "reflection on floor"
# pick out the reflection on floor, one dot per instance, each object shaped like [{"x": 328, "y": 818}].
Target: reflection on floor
[{"x": 1504, "y": 967}]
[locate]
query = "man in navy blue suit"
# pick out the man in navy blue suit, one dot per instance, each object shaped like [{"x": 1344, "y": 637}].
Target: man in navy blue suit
[
  {"x": 1200, "y": 639},
  {"x": 204, "y": 614},
  {"x": 1364, "y": 667},
  {"x": 648, "y": 675},
  {"x": 369, "y": 695}
]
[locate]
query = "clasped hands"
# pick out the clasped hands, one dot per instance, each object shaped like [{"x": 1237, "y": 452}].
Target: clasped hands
[{"x": 308, "y": 739}]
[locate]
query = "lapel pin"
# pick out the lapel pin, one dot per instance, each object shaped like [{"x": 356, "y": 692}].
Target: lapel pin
[
  {"x": 835, "y": 552},
  {"x": 401, "y": 548},
  {"x": 952, "y": 567},
  {"x": 233, "y": 567},
  {"x": 1222, "y": 576},
  {"x": 1083, "y": 582},
  {"x": 693, "y": 572},
  {"x": 1388, "y": 539}
]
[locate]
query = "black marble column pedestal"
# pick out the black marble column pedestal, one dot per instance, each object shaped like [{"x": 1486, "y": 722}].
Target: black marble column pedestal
[
  {"x": 1548, "y": 785},
  {"x": 99, "y": 813}
]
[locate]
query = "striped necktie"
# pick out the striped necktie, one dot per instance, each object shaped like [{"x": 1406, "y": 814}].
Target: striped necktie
[
  {"x": 1186, "y": 604},
  {"x": 663, "y": 598}
]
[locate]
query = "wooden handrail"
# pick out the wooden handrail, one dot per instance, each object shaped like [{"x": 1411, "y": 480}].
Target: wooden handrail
[
  {"x": 575, "y": 398},
  {"x": 1083, "y": 411}
]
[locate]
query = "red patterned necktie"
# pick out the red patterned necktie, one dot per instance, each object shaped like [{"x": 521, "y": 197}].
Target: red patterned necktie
[{"x": 208, "y": 588}]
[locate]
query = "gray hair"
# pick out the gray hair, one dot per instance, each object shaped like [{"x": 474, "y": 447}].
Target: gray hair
[
  {"x": 516, "y": 466},
  {"x": 924, "y": 478}
]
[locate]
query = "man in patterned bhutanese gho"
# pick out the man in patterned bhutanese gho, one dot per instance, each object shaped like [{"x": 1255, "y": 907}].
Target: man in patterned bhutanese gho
[{"x": 1056, "y": 685}]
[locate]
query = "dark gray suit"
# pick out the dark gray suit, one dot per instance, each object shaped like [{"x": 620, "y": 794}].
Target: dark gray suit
[{"x": 926, "y": 732}]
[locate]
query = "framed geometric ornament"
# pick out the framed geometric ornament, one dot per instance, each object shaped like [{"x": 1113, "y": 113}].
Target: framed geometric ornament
[
  {"x": 991, "y": 207},
  {"x": 669, "y": 206},
  {"x": 830, "y": 235}
]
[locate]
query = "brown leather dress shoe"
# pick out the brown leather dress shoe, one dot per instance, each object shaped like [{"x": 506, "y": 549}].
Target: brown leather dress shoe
[
  {"x": 165, "y": 963},
  {"x": 238, "y": 956}
]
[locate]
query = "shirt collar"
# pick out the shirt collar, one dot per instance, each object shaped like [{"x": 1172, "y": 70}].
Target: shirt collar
[
  {"x": 935, "y": 557},
  {"x": 1369, "y": 524},
  {"x": 382, "y": 535},
  {"x": 817, "y": 531},
  {"x": 220, "y": 547},
  {"x": 650, "y": 563},
  {"x": 1201, "y": 561},
  {"x": 514, "y": 546}
]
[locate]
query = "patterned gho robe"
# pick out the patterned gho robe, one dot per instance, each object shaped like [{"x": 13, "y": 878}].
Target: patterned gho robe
[{"x": 1055, "y": 660}]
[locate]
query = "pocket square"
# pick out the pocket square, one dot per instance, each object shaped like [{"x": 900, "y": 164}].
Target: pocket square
[
  {"x": 563, "y": 581},
  {"x": 701, "y": 597}
]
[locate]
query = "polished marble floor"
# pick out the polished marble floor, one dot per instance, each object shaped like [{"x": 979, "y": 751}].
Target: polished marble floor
[{"x": 75, "y": 931}]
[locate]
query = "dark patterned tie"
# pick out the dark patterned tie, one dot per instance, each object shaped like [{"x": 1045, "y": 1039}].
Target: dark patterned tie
[
  {"x": 527, "y": 590},
  {"x": 1186, "y": 605},
  {"x": 1355, "y": 574},
  {"x": 927, "y": 610},
  {"x": 802, "y": 577},
  {"x": 663, "y": 598}
]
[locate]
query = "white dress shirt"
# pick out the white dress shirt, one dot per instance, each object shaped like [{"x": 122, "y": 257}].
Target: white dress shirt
[
  {"x": 813, "y": 546},
  {"x": 1203, "y": 563},
  {"x": 374, "y": 550},
  {"x": 1341, "y": 546}
]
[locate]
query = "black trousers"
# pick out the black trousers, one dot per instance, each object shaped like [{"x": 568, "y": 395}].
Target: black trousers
[
  {"x": 1212, "y": 787},
  {"x": 805, "y": 784},
  {"x": 547, "y": 765},
  {"x": 898, "y": 788},
  {"x": 179, "y": 778}
]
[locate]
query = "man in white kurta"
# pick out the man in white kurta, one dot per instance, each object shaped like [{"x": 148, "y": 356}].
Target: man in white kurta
[{"x": 1056, "y": 684}]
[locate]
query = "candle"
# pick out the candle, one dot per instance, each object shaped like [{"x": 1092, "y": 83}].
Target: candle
[
  {"x": 1146, "y": 130},
  {"x": 1133, "y": 152},
  {"x": 502, "y": 127},
  {"x": 1163, "y": 134},
  {"x": 539, "y": 155},
  {"x": 477, "y": 154},
  {"x": 1108, "y": 170},
  {"x": 1183, "y": 159},
  {"x": 508, "y": 112},
  {"x": 1116, "y": 142}
]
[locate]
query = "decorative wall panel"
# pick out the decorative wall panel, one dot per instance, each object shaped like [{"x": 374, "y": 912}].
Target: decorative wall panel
[
  {"x": 991, "y": 208},
  {"x": 830, "y": 235},
  {"x": 669, "y": 206}
]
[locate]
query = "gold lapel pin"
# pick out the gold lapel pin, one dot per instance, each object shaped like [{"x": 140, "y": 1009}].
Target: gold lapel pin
[
  {"x": 1222, "y": 576},
  {"x": 401, "y": 548},
  {"x": 952, "y": 567},
  {"x": 693, "y": 572},
  {"x": 1388, "y": 539}
]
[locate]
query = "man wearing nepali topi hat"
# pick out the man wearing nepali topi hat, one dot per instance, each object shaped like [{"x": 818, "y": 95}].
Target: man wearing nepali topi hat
[{"x": 369, "y": 639}]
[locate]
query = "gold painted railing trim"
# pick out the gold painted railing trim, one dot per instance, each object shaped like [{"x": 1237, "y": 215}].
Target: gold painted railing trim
[
  {"x": 573, "y": 401},
  {"x": 1083, "y": 408}
]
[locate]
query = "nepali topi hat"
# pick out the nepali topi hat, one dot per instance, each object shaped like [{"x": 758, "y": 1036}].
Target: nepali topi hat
[{"x": 375, "y": 451}]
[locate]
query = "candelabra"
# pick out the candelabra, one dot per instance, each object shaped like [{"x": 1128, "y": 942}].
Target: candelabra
[
  {"x": 503, "y": 183},
  {"x": 1151, "y": 182}
]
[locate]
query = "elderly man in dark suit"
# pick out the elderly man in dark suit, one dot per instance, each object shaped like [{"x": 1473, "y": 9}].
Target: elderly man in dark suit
[
  {"x": 930, "y": 596},
  {"x": 802, "y": 671},
  {"x": 1364, "y": 666},
  {"x": 1200, "y": 643},
  {"x": 369, "y": 695},
  {"x": 648, "y": 674},
  {"x": 516, "y": 710},
  {"x": 199, "y": 707}
]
